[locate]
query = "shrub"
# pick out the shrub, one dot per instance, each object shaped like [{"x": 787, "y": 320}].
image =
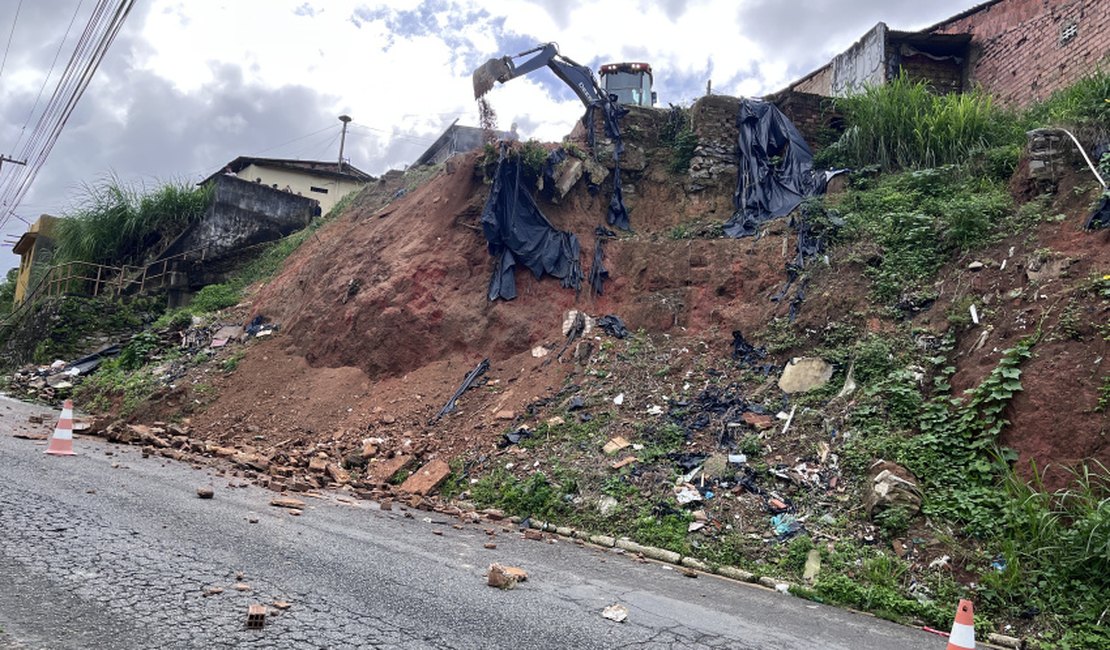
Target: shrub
[
  {"x": 118, "y": 224},
  {"x": 904, "y": 125}
]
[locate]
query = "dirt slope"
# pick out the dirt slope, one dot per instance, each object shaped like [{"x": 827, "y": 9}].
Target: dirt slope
[{"x": 384, "y": 312}]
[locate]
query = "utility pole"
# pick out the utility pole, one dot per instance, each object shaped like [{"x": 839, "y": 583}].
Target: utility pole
[
  {"x": 343, "y": 139},
  {"x": 4, "y": 159}
]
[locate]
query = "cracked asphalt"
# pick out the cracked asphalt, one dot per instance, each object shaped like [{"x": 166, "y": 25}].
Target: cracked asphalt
[{"x": 110, "y": 550}]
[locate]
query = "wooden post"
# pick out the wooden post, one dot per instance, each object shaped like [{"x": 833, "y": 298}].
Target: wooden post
[{"x": 96, "y": 287}]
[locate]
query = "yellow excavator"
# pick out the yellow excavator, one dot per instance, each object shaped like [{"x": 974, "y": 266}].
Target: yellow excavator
[{"x": 623, "y": 83}]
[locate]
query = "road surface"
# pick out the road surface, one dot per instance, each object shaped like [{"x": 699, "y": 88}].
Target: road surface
[{"x": 110, "y": 550}]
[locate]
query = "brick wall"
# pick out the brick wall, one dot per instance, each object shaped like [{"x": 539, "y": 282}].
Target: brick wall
[
  {"x": 1017, "y": 53},
  {"x": 944, "y": 75},
  {"x": 814, "y": 116}
]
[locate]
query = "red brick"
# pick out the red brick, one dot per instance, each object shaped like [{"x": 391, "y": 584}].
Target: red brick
[{"x": 427, "y": 478}]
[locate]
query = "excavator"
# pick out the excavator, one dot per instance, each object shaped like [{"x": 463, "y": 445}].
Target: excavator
[
  {"x": 625, "y": 83},
  {"x": 596, "y": 98}
]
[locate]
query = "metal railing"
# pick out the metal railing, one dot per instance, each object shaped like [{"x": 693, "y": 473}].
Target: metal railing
[{"x": 92, "y": 280}]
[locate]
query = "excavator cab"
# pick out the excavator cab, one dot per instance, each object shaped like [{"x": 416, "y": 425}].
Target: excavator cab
[{"x": 630, "y": 82}]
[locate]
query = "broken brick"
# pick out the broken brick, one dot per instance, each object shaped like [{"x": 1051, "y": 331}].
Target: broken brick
[
  {"x": 427, "y": 478},
  {"x": 287, "y": 502},
  {"x": 758, "y": 420},
  {"x": 256, "y": 617}
]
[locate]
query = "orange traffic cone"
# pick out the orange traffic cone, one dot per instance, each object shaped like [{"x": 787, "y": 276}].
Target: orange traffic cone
[
  {"x": 963, "y": 628},
  {"x": 61, "y": 444}
]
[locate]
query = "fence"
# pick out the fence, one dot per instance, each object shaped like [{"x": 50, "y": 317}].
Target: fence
[{"x": 89, "y": 279}]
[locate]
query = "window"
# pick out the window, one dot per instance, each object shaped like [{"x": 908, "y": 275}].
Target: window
[
  {"x": 1068, "y": 32},
  {"x": 320, "y": 190}
]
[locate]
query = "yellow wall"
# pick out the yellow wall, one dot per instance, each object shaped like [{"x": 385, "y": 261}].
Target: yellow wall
[
  {"x": 301, "y": 183},
  {"x": 40, "y": 229}
]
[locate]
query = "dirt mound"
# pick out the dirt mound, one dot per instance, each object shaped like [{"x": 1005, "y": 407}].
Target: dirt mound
[{"x": 384, "y": 311}]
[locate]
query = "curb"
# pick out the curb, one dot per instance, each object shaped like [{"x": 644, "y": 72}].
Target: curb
[{"x": 665, "y": 556}]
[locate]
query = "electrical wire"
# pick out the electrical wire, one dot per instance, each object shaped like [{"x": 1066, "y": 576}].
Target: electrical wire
[
  {"x": 10, "y": 35},
  {"x": 49, "y": 73},
  {"x": 299, "y": 138},
  {"x": 101, "y": 30}
]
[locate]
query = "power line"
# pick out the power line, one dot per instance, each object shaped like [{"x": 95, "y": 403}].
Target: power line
[
  {"x": 10, "y": 34},
  {"x": 299, "y": 138},
  {"x": 100, "y": 32},
  {"x": 49, "y": 73}
]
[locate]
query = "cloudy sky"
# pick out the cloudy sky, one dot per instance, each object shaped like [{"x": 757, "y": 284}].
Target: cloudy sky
[{"x": 190, "y": 85}]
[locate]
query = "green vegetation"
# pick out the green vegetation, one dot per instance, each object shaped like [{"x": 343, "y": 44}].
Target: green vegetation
[
  {"x": 7, "y": 291},
  {"x": 1054, "y": 555},
  {"x": 905, "y": 125},
  {"x": 1082, "y": 106},
  {"x": 678, "y": 134},
  {"x": 119, "y": 224},
  {"x": 920, "y": 220},
  {"x": 113, "y": 384},
  {"x": 533, "y": 154},
  {"x": 73, "y": 318},
  {"x": 535, "y": 496}
]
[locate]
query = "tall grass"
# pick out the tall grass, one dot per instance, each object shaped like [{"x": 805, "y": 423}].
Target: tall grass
[
  {"x": 117, "y": 223},
  {"x": 1056, "y": 554},
  {"x": 904, "y": 125},
  {"x": 1083, "y": 106}
]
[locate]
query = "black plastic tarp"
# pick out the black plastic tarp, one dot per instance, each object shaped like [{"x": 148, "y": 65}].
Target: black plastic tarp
[
  {"x": 517, "y": 232},
  {"x": 611, "y": 113},
  {"x": 776, "y": 168}
]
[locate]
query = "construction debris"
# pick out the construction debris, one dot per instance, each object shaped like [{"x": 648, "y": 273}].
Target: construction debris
[{"x": 616, "y": 612}]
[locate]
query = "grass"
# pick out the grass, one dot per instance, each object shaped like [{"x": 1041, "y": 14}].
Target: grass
[
  {"x": 678, "y": 135},
  {"x": 905, "y": 125},
  {"x": 1082, "y": 107},
  {"x": 920, "y": 220},
  {"x": 115, "y": 223},
  {"x": 1055, "y": 555}
]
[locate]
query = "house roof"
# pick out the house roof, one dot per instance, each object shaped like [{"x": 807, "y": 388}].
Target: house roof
[
  {"x": 474, "y": 134},
  {"x": 319, "y": 168}
]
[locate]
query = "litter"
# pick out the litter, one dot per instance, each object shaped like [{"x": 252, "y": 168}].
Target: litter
[
  {"x": 514, "y": 437},
  {"x": 470, "y": 378},
  {"x": 516, "y": 231},
  {"x": 615, "y": 613},
  {"x": 687, "y": 494},
  {"x": 786, "y": 525},
  {"x": 613, "y": 326}
]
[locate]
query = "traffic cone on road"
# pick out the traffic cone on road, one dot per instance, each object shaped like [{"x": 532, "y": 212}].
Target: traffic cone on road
[
  {"x": 61, "y": 443},
  {"x": 963, "y": 628}
]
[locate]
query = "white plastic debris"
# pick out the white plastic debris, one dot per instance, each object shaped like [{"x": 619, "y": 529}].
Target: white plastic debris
[
  {"x": 940, "y": 562},
  {"x": 687, "y": 494},
  {"x": 619, "y": 399},
  {"x": 655, "y": 410},
  {"x": 616, "y": 612}
]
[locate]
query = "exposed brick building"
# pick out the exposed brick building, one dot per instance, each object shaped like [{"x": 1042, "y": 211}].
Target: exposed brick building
[
  {"x": 1019, "y": 51},
  {"x": 1024, "y": 50}
]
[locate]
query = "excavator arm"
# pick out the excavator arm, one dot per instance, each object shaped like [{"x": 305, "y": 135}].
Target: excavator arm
[{"x": 578, "y": 77}]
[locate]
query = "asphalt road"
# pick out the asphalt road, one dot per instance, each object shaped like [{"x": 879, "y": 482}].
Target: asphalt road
[{"x": 110, "y": 550}]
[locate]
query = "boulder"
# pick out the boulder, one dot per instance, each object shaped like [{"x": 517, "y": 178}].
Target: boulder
[
  {"x": 891, "y": 486},
  {"x": 427, "y": 478},
  {"x": 804, "y": 374}
]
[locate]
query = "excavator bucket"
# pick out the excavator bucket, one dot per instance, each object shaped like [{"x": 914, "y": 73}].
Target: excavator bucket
[{"x": 490, "y": 73}]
